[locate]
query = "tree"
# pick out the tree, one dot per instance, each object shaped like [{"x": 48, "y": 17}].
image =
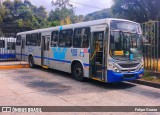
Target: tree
[
  {"x": 2, "y": 13},
  {"x": 137, "y": 10},
  {"x": 64, "y": 12},
  {"x": 21, "y": 16}
]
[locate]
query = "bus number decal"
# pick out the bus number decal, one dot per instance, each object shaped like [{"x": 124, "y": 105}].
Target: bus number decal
[{"x": 74, "y": 52}]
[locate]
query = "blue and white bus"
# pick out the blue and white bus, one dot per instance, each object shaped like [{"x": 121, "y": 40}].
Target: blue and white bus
[
  {"x": 7, "y": 48},
  {"x": 108, "y": 50}
]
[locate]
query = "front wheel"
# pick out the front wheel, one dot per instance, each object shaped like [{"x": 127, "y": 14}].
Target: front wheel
[
  {"x": 31, "y": 62},
  {"x": 78, "y": 72}
]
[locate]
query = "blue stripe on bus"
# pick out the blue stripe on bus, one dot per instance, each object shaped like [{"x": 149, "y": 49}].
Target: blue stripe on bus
[
  {"x": 6, "y": 56},
  {"x": 85, "y": 64},
  {"x": 65, "y": 61}
]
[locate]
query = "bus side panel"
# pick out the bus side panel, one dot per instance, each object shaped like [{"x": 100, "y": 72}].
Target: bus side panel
[
  {"x": 35, "y": 52},
  {"x": 81, "y": 55},
  {"x": 52, "y": 62},
  {"x": 58, "y": 59},
  {"x": 18, "y": 52},
  {"x": 37, "y": 55}
]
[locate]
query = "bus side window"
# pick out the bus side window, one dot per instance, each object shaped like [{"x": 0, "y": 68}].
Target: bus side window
[
  {"x": 39, "y": 39},
  {"x": 2, "y": 44},
  {"x": 65, "y": 38},
  {"x": 54, "y": 39},
  {"x": 33, "y": 39},
  {"x": 81, "y": 37},
  {"x": 10, "y": 46},
  {"x": 18, "y": 41}
]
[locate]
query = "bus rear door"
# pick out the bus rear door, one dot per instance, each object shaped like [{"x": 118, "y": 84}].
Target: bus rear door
[
  {"x": 45, "y": 51},
  {"x": 18, "y": 47},
  {"x": 23, "y": 49}
]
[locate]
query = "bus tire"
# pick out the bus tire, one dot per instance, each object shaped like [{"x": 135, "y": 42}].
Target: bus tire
[
  {"x": 31, "y": 62},
  {"x": 78, "y": 72}
]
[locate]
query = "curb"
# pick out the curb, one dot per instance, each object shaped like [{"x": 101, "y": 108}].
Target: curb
[
  {"x": 147, "y": 83},
  {"x": 4, "y": 67}
]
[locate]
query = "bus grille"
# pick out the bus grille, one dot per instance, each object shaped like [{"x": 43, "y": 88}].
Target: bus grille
[{"x": 131, "y": 65}]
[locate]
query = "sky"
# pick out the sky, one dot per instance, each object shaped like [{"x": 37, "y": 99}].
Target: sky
[{"x": 83, "y": 7}]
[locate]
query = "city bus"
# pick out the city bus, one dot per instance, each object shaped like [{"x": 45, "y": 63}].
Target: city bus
[
  {"x": 107, "y": 50},
  {"x": 7, "y": 48}
]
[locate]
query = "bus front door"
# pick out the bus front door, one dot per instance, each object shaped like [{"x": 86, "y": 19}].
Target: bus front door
[
  {"x": 23, "y": 49},
  {"x": 45, "y": 51},
  {"x": 97, "y": 61}
]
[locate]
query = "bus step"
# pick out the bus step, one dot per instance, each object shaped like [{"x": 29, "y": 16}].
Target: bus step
[
  {"x": 45, "y": 67},
  {"x": 98, "y": 64},
  {"x": 98, "y": 73},
  {"x": 96, "y": 78},
  {"x": 98, "y": 67}
]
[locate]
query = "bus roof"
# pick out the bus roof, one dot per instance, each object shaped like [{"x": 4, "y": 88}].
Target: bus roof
[{"x": 79, "y": 25}]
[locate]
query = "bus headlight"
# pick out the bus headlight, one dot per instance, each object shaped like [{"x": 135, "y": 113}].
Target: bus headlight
[
  {"x": 141, "y": 67},
  {"x": 115, "y": 69}
]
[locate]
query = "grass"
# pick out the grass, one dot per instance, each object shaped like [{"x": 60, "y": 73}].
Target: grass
[{"x": 150, "y": 77}]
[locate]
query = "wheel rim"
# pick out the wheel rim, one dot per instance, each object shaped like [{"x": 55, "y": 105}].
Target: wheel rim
[{"x": 78, "y": 72}]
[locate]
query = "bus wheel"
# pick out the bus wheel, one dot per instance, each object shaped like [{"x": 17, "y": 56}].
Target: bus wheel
[
  {"x": 78, "y": 72},
  {"x": 31, "y": 63}
]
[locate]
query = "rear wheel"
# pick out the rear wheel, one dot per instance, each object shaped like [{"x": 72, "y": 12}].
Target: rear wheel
[
  {"x": 31, "y": 62},
  {"x": 77, "y": 72}
]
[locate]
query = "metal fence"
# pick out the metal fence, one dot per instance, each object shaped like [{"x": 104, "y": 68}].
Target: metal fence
[
  {"x": 151, "y": 48},
  {"x": 7, "y": 48}
]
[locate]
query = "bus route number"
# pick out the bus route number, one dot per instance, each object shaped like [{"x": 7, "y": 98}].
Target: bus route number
[{"x": 74, "y": 52}]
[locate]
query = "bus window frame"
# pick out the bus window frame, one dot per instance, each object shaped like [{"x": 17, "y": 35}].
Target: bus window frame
[
  {"x": 19, "y": 43},
  {"x": 3, "y": 43},
  {"x": 57, "y": 44},
  {"x": 89, "y": 37},
  {"x": 71, "y": 38}
]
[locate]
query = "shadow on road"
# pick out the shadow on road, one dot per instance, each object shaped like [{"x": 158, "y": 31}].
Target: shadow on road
[{"x": 118, "y": 85}]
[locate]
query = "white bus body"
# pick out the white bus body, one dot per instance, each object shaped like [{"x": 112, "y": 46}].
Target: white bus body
[{"x": 87, "y": 49}]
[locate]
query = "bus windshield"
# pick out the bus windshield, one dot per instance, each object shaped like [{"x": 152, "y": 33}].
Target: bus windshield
[
  {"x": 125, "y": 45},
  {"x": 125, "y": 26}
]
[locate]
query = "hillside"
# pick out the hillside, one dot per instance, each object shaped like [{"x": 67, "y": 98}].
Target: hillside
[{"x": 105, "y": 13}]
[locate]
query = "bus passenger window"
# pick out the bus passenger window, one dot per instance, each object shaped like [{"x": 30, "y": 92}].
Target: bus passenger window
[
  {"x": 65, "y": 38},
  {"x": 39, "y": 39},
  {"x": 10, "y": 46},
  {"x": 54, "y": 39},
  {"x": 33, "y": 39},
  {"x": 18, "y": 41},
  {"x": 2, "y": 44},
  {"x": 46, "y": 42},
  {"x": 81, "y": 38}
]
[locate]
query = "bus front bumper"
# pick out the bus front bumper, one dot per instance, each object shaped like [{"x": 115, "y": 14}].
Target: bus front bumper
[{"x": 118, "y": 77}]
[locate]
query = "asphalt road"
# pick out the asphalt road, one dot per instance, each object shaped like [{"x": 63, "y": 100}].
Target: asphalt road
[{"x": 40, "y": 87}]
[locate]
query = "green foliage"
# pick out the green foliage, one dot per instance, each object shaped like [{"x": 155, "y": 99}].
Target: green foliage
[
  {"x": 2, "y": 13},
  {"x": 20, "y": 15},
  {"x": 137, "y": 10},
  {"x": 54, "y": 23},
  {"x": 63, "y": 10}
]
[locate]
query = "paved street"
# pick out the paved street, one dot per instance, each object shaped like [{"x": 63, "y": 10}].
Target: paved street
[{"x": 40, "y": 87}]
